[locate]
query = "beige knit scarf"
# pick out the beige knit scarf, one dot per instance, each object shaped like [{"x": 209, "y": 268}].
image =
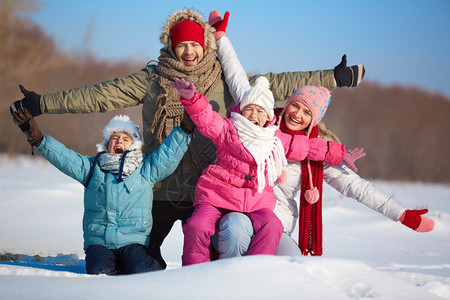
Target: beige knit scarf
[{"x": 205, "y": 76}]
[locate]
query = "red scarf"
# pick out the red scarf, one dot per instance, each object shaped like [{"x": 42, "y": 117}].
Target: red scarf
[{"x": 310, "y": 216}]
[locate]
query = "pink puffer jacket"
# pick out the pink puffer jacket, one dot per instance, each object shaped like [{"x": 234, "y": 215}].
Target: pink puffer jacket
[{"x": 231, "y": 182}]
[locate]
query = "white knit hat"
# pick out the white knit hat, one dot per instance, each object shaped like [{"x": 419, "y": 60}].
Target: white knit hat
[
  {"x": 121, "y": 123},
  {"x": 260, "y": 95}
]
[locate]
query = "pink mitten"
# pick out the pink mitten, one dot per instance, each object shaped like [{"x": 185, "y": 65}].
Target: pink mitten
[
  {"x": 351, "y": 156},
  {"x": 216, "y": 21},
  {"x": 185, "y": 88},
  {"x": 414, "y": 220}
]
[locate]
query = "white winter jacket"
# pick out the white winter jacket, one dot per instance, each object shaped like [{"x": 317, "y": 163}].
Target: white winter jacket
[
  {"x": 343, "y": 180},
  {"x": 340, "y": 177}
]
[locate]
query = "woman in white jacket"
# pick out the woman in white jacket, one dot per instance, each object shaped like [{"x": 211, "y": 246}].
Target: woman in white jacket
[{"x": 235, "y": 230}]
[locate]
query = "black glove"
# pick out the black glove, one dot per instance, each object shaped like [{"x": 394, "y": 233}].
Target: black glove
[
  {"x": 30, "y": 102},
  {"x": 348, "y": 76},
  {"x": 26, "y": 123}
]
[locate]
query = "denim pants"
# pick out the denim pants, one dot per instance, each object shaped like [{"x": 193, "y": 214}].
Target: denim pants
[{"x": 234, "y": 233}]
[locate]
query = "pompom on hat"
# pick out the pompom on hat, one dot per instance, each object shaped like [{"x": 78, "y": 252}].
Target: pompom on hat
[
  {"x": 315, "y": 98},
  {"x": 261, "y": 95},
  {"x": 121, "y": 123}
]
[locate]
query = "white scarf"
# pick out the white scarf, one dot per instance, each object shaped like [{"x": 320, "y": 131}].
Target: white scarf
[
  {"x": 111, "y": 162},
  {"x": 264, "y": 146}
]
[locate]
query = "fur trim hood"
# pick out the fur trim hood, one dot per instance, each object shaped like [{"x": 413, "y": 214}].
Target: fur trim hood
[{"x": 187, "y": 14}]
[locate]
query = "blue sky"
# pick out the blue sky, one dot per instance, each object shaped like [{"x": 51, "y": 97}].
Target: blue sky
[{"x": 398, "y": 41}]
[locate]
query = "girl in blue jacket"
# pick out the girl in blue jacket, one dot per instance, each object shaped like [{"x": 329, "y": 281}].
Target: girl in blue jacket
[{"x": 118, "y": 192}]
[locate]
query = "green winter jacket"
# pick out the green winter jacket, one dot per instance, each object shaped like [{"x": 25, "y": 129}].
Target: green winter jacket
[
  {"x": 142, "y": 88},
  {"x": 117, "y": 214}
]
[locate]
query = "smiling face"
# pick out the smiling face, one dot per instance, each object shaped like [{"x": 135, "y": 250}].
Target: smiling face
[
  {"x": 119, "y": 142},
  {"x": 255, "y": 114},
  {"x": 297, "y": 116},
  {"x": 190, "y": 53}
]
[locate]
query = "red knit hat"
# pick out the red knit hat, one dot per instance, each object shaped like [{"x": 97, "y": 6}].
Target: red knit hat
[{"x": 187, "y": 30}]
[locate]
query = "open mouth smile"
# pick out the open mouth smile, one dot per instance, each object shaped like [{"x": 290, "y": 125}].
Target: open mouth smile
[
  {"x": 190, "y": 61},
  {"x": 118, "y": 150},
  {"x": 295, "y": 121}
]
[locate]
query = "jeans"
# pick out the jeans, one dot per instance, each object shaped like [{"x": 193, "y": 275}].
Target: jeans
[{"x": 234, "y": 233}]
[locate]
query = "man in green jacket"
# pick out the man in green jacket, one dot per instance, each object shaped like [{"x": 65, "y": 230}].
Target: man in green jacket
[{"x": 189, "y": 53}]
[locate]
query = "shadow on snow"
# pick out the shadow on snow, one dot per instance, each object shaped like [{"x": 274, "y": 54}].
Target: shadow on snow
[{"x": 61, "y": 262}]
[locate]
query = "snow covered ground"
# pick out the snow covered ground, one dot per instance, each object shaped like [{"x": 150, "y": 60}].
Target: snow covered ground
[{"x": 365, "y": 254}]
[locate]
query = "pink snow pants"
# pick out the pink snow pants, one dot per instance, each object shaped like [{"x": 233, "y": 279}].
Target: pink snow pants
[{"x": 202, "y": 225}]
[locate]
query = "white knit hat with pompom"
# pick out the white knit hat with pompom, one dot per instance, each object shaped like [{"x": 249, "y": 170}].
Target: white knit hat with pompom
[{"x": 261, "y": 95}]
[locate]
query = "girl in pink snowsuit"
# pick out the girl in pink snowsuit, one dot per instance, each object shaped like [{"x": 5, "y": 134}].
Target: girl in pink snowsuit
[{"x": 250, "y": 158}]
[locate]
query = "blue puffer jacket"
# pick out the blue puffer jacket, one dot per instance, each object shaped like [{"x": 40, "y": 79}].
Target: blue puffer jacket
[{"x": 117, "y": 214}]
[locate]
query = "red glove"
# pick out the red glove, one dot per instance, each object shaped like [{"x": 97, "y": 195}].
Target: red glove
[
  {"x": 414, "y": 220},
  {"x": 185, "y": 88},
  {"x": 351, "y": 156},
  {"x": 216, "y": 21}
]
